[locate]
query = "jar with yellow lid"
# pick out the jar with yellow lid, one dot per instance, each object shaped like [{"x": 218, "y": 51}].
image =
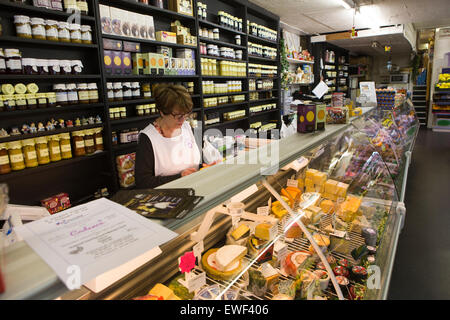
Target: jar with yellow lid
[
  {"x": 38, "y": 28},
  {"x": 78, "y": 143},
  {"x": 15, "y": 156},
  {"x": 2, "y": 105},
  {"x": 42, "y": 152},
  {"x": 89, "y": 141},
  {"x": 31, "y": 100},
  {"x": 64, "y": 143},
  {"x": 9, "y": 102},
  {"x": 54, "y": 148},
  {"x": 5, "y": 167},
  {"x": 23, "y": 27},
  {"x": 98, "y": 139},
  {"x": 41, "y": 100},
  {"x": 51, "y": 30},
  {"x": 29, "y": 152}
]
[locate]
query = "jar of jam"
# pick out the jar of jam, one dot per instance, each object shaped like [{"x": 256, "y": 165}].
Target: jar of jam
[
  {"x": 127, "y": 93},
  {"x": 118, "y": 92},
  {"x": 78, "y": 143},
  {"x": 61, "y": 94},
  {"x": 82, "y": 6},
  {"x": 123, "y": 113},
  {"x": 31, "y": 100},
  {"x": 5, "y": 167},
  {"x": 51, "y": 30},
  {"x": 63, "y": 32},
  {"x": 77, "y": 66},
  {"x": 38, "y": 28},
  {"x": 70, "y": 5},
  {"x": 29, "y": 152},
  {"x": 65, "y": 67},
  {"x": 51, "y": 99},
  {"x": 41, "y": 100},
  {"x": 65, "y": 145},
  {"x": 86, "y": 34},
  {"x": 23, "y": 26},
  {"x": 140, "y": 110},
  {"x": 98, "y": 136},
  {"x": 146, "y": 89},
  {"x": 53, "y": 67},
  {"x": 83, "y": 93},
  {"x": 13, "y": 59},
  {"x": 29, "y": 66},
  {"x": 135, "y": 90},
  {"x": 42, "y": 66},
  {"x": 114, "y": 140},
  {"x": 89, "y": 141},
  {"x": 9, "y": 102},
  {"x": 15, "y": 156},
  {"x": 110, "y": 88},
  {"x": 112, "y": 115},
  {"x": 75, "y": 33},
  {"x": 93, "y": 93},
  {"x": 43, "y": 154},
  {"x": 72, "y": 93},
  {"x": 21, "y": 101},
  {"x": 2, "y": 62},
  {"x": 54, "y": 148}
]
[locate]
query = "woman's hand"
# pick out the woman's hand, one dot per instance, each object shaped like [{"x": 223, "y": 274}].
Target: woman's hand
[{"x": 188, "y": 172}]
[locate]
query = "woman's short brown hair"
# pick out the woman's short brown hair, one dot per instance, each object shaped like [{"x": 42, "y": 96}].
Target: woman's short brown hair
[{"x": 169, "y": 96}]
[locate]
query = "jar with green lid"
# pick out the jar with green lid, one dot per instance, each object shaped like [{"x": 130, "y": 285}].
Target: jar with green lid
[
  {"x": 41, "y": 99},
  {"x": 54, "y": 148},
  {"x": 89, "y": 141},
  {"x": 51, "y": 99},
  {"x": 63, "y": 32},
  {"x": 75, "y": 33},
  {"x": 31, "y": 100},
  {"x": 38, "y": 28},
  {"x": 43, "y": 154},
  {"x": 23, "y": 27},
  {"x": 15, "y": 156},
  {"x": 83, "y": 93},
  {"x": 98, "y": 136},
  {"x": 29, "y": 152},
  {"x": 51, "y": 30},
  {"x": 21, "y": 101},
  {"x": 65, "y": 145},
  {"x": 78, "y": 143},
  {"x": 5, "y": 167}
]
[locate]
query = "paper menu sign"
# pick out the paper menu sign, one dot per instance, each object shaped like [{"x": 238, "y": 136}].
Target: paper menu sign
[
  {"x": 367, "y": 89},
  {"x": 320, "y": 89},
  {"x": 84, "y": 242}
]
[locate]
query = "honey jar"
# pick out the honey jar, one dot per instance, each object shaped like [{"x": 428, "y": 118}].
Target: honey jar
[
  {"x": 38, "y": 28},
  {"x": 51, "y": 30},
  {"x": 89, "y": 141},
  {"x": 78, "y": 143},
  {"x": 29, "y": 152},
  {"x": 42, "y": 151},
  {"x": 54, "y": 148},
  {"x": 15, "y": 156},
  {"x": 23, "y": 27},
  {"x": 5, "y": 167},
  {"x": 98, "y": 139},
  {"x": 65, "y": 145}
]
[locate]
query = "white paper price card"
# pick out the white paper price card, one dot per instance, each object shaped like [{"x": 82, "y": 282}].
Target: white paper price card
[
  {"x": 195, "y": 282},
  {"x": 263, "y": 211},
  {"x": 198, "y": 249},
  {"x": 292, "y": 183}
]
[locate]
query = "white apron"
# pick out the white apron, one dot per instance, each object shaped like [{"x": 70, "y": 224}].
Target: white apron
[{"x": 173, "y": 155}]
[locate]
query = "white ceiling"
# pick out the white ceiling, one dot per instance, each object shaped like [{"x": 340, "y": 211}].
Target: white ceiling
[{"x": 324, "y": 16}]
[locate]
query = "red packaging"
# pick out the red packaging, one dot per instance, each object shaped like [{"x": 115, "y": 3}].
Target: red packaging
[{"x": 56, "y": 203}]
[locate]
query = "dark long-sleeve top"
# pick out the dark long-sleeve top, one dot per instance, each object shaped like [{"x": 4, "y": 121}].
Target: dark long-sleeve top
[{"x": 145, "y": 166}]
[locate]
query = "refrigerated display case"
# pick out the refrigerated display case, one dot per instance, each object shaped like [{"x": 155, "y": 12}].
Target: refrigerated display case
[{"x": 341, "y": 152}]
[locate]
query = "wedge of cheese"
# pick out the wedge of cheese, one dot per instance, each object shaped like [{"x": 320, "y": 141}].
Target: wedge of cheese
[
  {"x": 161, "y": 290},
  {"x": 228, "y": 255},
  {"x": 265, "y": 231}
]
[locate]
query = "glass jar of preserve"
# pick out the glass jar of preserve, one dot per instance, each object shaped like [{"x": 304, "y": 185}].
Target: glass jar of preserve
[
  {"x": 29, "y": 66},
  {"x": 29, "y": 152},
  {"x": 65, "y": 67},
  {"x": 41, "y": 99},
  {"x": 98, "y": 139},
  {"x": 118, "y": 92},
  {"x": 83, "y": 93},
  {"x": 2, "y": 62},
  {"x": 42, "y": 152},
  {"x": 21, "y": 101},
  {"x": 146, "y": 89},
  {"x": 15, "y": 156},
  {"x": 42, "y": 66},
  {"x": 61, "y": 94},
  {"x": 31, "y": 88},
  {"x": 123, "y": 113},
  {"x": 2, "y": 105},
  {"x": 63, "y": 32},
  {"x": 72, "y": 94},
  {"x": 112, "y": 115},
  {"x": 31, "y": 100},
  {"x": 53, "y": 67},
  {"x": 140, "y": 110},
  {"x": 82, "y": 6},
  {"x": 65, "y": 145},
  {"x": 136, "y": 90},
  {"x": 9, "y": 102},
  {"x": 54, "y": 148},
  {"x": 110, "y": 88},
  {"x": 38, "y": 28},
  {"x": 78, "y": 143},
  {"x": 51, "y": 99},
  {"x": 77, "y": 67},
  {"x": 51, "y": 30},
  {"x": 13, "y": 61},
  {"x": 86, "y": 34},
  {"x": 127, "y": 93},
  {"x": 75, "y": 33},
  {"x": 93, "y": 93},
  {"x": 23, "y": 26},
  {"x": 5, "y": 167},
  {"x": 89, "y": 141}
]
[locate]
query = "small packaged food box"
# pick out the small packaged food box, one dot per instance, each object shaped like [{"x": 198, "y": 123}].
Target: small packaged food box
[
  {"x": 127, "y": 66},
  {"x": 56, "y": 203},
  {"x": 138, "y": 63}
]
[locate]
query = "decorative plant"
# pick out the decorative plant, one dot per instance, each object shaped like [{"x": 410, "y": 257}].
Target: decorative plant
[{"x": 284, "y": 66}]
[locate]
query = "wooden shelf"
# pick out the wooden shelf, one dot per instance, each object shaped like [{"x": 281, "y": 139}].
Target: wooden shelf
[
  {"x": 221, "y": 43},
  {"x": 51, "y": 44},
  {"x": 147, "y": 41}
]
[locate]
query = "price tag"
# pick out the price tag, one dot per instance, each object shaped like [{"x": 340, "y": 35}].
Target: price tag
[
  {"x": 263, "y": 211},
  {"x": 319, "y": 152},
  {"x": 299, "y": 164},
  {"x": 198, "y": 249},
  {"x": 195, "y": 282},
  {"x": 292, "y": 183}
]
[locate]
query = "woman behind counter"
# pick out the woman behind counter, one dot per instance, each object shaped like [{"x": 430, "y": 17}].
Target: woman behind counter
[{"x": 166, "y": 148}]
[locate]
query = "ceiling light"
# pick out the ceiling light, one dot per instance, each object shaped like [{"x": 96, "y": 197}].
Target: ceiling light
[{"x": 347, "y": 4}]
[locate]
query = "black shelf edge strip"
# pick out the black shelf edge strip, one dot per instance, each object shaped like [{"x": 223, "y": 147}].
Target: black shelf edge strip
[
  {"x": 251, "y": 57},
  {"x": 129, "y": 102},
  {"x": 149, "y": 77},
  {"x": 22, "y": 77},
  {"x": 134, "y": 119},
  {"x": 224, "y": 106},
  {"x": 258, "y": 39},
  {"x": 124, "y": 146},
  {"x": 262, "y": 100},
  {"x": 213, "y": 95},
  {"x": 223, "y": 77},
  {"x": 221, "y": 58},
  {"x": 254, "y": 114},
  {"x": 215, "y": 25},
  {"x": 225, "y": 123}
]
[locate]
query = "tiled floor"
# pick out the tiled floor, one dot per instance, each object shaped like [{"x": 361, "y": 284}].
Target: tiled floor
[{"x": 422, "y": 262}]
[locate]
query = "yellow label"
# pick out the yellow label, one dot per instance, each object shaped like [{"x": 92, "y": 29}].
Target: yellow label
[
  {"x": 310, "y": 116},
  {"x": 302, "y": 119},
  {"x": 127, "y": 61},
  {"x": 65, "y": 148},
  {"x": 56, "y": 150},
  {"x": 16, "y": 158},
  {"x": 117, "y": 61},
  {"x": 43, "y": 153},
  {"x": 321, "y": 115},
  {"x": 89, "y": 143},
  {"x": 4, "y": 160},
  {"x": 108, "y": 60},
  {"x": 99, "y": 141},
  {"x": 31, "y": 155},
  {"x": 79, "y": 144}
]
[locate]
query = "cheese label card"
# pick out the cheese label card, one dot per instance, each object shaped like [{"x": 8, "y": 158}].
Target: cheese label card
[
  {"x": 263, "y": 211},
  {"x": 195, "y": 282},
  {"x": 299, "y": 164},
  {"x": 292, "y": 183},
  {"x": 198, "y": 249},
  {"x": 339, "y": 233}
]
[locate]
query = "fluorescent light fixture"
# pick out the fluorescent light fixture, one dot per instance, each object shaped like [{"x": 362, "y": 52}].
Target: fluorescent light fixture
[{"x": 347, "y": 4}]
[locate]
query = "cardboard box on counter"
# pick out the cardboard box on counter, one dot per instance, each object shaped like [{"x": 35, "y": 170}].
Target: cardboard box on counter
[
  {"x": 165, "y": 36},
  {"x": 56, "y": 203}
]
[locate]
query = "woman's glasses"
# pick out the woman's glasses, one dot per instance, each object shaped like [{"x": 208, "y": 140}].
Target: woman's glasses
[{"x": 181, "y": 116}]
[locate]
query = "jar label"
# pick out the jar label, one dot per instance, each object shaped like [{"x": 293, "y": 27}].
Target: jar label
[
  {"x": 89, "y": 142},
  {"x": 51, "y": 33},
  {"x": 61, "y": 97},
  {"x": 16, "y": 158},
  {"x": 42, "y": 101},
  {"x": 38, "y": 30},
  {"x": 93, "y": 95},
  {"x": 83, "y": 95},
  {"x": 67, "y": 69},
  {"x": 56, "y": 150},
  {"x": 52, "y": 100},
  {"x": 86, "y": 36},
  {"x": 98, "y": 141},
  {"x": 14, "y": 64},
  {"x": 65, "y": 148},
  {"x": 43, "y": 153},
  {"x": 4, "y": 160},
  {"x": 75, "y": 35},
  {"x": 79, "y": 144},
  {"x": 72, "y": 96},
  {"x": 31, "y": 155},
  {"x": 110, "y": 94},
  {"x": 2, "y": 64},
  {"x": 24, "y": 29},
  {"x": 64, "y": 34}
]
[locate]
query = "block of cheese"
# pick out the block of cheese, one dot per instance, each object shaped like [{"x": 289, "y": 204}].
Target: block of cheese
[
  {"x": 309, "y": 183},
  {"x": 310, "y": 189},
  {"x": 354, "y": 202},
  {"x": 240, "y": 232},
  {"x": 342, "y": 189},
  {"x": 329, "y": 196},
  {"x": 327, "y": 206},
  {"x": 228, "y": 255},
  {"x": 310, "y": 173},
  {"x": 270, "y": 274},
  {"x": 320, "y": 178},
  {"x": 161, "y": 290},
  {"x": 265, "y": 231},
  {"x": 331, "y": 186}
]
